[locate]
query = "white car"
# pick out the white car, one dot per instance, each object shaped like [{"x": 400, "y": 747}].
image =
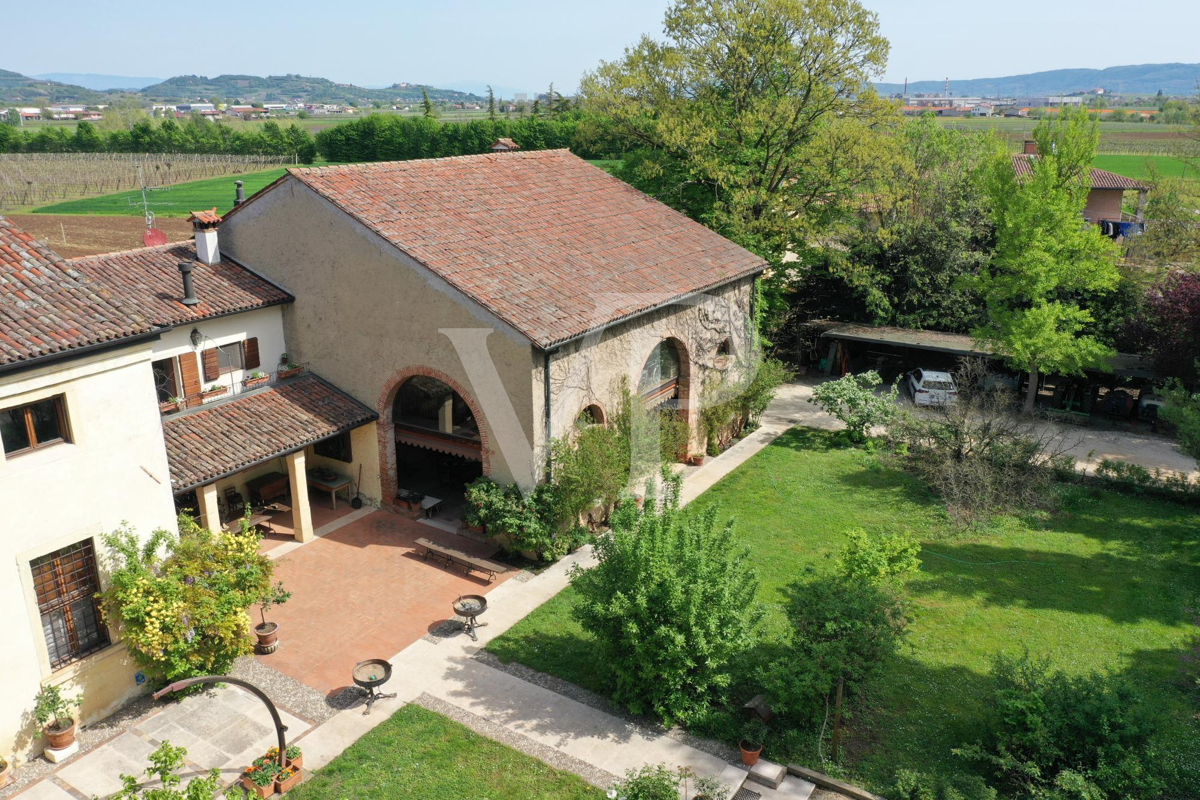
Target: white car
[{"x": 929, "y": 388}]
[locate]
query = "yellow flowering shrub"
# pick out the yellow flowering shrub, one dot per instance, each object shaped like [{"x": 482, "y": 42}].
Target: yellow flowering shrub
[{"x": 181, "y": 602}]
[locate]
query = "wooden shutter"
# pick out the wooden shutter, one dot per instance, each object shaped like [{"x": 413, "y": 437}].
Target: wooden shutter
[
  {"x": 189, "y": 373},
  {"x": 250, "y": 354},
  {"x": 212, "y": 366}
]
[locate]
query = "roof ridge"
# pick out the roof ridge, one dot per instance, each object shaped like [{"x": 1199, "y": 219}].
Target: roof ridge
[
  {"x": 131, "y": 251},
  {"x": 366, "y": 166}
]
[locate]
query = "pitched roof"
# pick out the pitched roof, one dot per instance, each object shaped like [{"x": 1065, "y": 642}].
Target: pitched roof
[
  {"x": 231, "y": 435},
  {"x": 1100, "y": 178},
  {"x": 48, "y": 307},
  {"x": 550, "y": 244},
  {"x": 148, "y": 279}
]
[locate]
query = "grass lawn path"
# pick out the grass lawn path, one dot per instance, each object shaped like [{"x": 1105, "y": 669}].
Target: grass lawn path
[
  {"x": 418, "y": 753},
  {"x": 1104, "y": 584}
]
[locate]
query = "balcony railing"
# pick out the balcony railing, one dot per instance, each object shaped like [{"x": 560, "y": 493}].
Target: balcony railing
[{"x": 224, "y": 388}]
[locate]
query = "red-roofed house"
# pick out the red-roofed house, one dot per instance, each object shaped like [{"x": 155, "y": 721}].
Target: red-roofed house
[
  {"x": 481, "y": 304},
  {"x": 1107, "y": 188}
]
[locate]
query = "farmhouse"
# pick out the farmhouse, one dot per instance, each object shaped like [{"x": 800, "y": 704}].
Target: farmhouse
[
  {"x": 479, "y": 305},
  {"x": 1104, "y": 203}
]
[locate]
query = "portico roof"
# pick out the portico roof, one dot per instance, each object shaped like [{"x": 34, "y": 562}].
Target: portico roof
[{"x": 221, "y": 438}]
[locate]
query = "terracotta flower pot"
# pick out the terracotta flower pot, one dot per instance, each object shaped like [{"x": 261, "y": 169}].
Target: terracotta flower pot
[
  {"x": 254, "y": 383},
  {"x": 60, "y": 737},
  {"x": 256, "y": 790},
  {"x": 5, "y": 771},
  {"x": 268, "y": 637},
  {"x": 287, "y": 373},
  {"x": 211, "y": 393},
  {"x": 169, "y": 408},
  {"x": 697, "y": 461},
  {"x": 296, "y": 762},
  {"x": 749, "y": 756},
  {"x": 284, "y": 785}
]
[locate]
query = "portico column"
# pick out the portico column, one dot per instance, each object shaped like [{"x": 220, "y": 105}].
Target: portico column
[
  {"x": 301, "y": 512},
  {"x": 210, "y": 512}
]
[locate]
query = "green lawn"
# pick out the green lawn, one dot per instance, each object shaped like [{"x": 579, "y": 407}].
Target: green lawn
[
  {"x": 172, "y": 201},
  {"x": 1102, "y": 585},
  {"x": 418, "y": 753},
  {"x": 1140, "y": 166}
]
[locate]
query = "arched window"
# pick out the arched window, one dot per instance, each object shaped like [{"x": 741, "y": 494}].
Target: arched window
[
  {"x": 592, "y": 415},
  {"x": 725, "y": 348},
  {"x": 660, "y": 375},
  {"x": 427, "y": 404}
]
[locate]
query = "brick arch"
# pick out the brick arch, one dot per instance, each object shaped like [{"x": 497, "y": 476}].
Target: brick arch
[
  {"x": 602, "y": 419},
  {"x": 687, "y": 371},
  {"x": 387, "y": 426}
]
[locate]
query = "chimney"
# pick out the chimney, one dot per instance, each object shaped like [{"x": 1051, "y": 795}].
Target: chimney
[
  {"x": 239, "y": 194},
  {"x": 205, "y": 223},
  {"x": 189, "y": 288},
  {"x": 1030, "y": 147}
]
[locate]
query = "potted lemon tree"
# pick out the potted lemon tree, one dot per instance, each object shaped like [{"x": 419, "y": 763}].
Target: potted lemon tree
[
  {"x": 53, "y": 712},
  {"x": 268, "y": 632}
]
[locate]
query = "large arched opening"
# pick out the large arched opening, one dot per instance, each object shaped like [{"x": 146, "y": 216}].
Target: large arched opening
[
  {"x": 664, "y": 387},
  {"x": 432, "y": 440}
]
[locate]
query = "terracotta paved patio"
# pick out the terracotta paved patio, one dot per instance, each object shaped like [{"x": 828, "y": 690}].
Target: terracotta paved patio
[
  {"x": 363, "y": 592},
  {"x": 282, "y": 527}
]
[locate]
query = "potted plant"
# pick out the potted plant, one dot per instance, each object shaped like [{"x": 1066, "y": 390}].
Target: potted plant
[
  {"x": 256, "y": 379},
  {"x": 293, "y": 756},
  {"x": 754, "y": 733},
  {"x": 410, "y": 500},
  {"x": 287, "y": 367},
  {"x": 288, "y": 777},
  {"x": 259, "y": 779},
  {"x": 53, "y": 713},
  {"x": 170, "y": 405},
  {"x": 697, "y": 460},
  {"x": 5, "y": 771},
  {"x": 216, "y": 390},
  {"x": 709, "y": 788},
  {"x": 268, "y": 632}
]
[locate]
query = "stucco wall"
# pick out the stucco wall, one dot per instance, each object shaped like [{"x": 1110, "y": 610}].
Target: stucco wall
[
  {"x": 265, "y": 323},
  {"x": 365, "y": 313},
  {"x": 113, "y": 470},
  {"x": 590, "y": 371}
]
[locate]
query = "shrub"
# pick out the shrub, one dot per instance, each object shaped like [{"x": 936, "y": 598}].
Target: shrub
[
  {"x": 657, "y": 782},
  {"x": 1130, "y": 477},
  {"x": 878, "y": 558},
  {"x": 853, "y": 401},
  {"x": 183, "y": 612},
  {"x": 1058, "y": 736},
  {"x": 844, "y": 631},
  {"x": 675, "y": 436},
  {"x": 165, "y": 764},
  {"x": 51, "y": 708},
  {"x": 912, "y": 785},
  {"x": 671, "y": 603},
  {"x": 979, "y": 455},
  {"x": 727, "y": 410},
  {"x": 589, "y": 470},
  {"x": 483, "y": 495}
]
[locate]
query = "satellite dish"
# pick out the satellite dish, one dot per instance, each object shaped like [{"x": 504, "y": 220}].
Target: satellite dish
[{"x": 153, "y": 237}]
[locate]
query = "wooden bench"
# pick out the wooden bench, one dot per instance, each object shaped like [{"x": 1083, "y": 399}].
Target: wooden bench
[{"x": 468, "y": 562}]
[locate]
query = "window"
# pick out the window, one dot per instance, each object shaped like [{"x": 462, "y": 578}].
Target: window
[
  {"x": 725, "y": 348},
  {"x": 66, "y": 584},
  {"x": 229, "y": 357},
  {"x": 660, "y": 375},
  {"x": 165, "y": 381},
  {"x": 592, "y": 415},
  {"x": 36, "y": 425}
]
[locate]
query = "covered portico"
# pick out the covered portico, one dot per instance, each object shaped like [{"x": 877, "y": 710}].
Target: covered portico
[{"x": 254, "y": 454}]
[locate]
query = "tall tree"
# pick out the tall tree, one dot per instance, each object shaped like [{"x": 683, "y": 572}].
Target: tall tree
[
  {"x": 1045, "y": 257},
  {"x": 491, "y": 104},
  {"x": 749, "y": 114},
  {"x": 427, "y": 105}
]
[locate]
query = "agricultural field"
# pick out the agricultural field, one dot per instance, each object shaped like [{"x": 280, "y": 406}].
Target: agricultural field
[
  {"x": 1105, "y": 583},
  {"x": 72, "y": 236},
  {"x": 28, "y": 180},
  {"x": 1148, "y": 167},
  {"x": 169, "y": 201}
]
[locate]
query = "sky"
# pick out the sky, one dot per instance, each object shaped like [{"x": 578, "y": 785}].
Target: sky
[{"x": 524, "y": 45}]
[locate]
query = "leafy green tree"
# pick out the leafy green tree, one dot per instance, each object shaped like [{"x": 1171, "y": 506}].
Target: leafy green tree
[
  {"x": 1045, "y": 257},
  {"x": 1183, "y": 411},
  {"x": 853, "y": 401},
  {"x": 671, "y": 604},
  {"x": 427, "y": 110},
  {"x": 755, "y": 116}
]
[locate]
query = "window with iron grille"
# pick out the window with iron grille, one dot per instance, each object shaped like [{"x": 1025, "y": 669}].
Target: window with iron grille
[{"x": 66, "y": 584}]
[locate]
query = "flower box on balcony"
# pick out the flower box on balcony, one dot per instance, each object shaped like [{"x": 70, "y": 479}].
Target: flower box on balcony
[
  {"x": 290, "y": 370},
  {"x": 170, "y": 406},
  {"x": 254, "y": 381},
  {"x": 213, "y": 391}
]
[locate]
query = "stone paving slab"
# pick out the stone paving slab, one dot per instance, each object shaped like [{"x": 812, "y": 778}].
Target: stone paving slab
[{"x": 99, "y": 772}]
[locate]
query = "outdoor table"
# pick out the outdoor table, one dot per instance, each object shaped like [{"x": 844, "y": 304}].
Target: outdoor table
[
  {"x": 429, "y": 505},
  {"x": 254, "y": 519},
  {"x": 333, "y": 486}
]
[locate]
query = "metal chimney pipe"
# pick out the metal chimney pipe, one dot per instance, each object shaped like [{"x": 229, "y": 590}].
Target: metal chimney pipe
[
  {"x": 239, "y": 195},
  {"x": 189, "y": 288}
]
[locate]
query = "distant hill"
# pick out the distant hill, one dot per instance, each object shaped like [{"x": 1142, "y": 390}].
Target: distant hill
[
  {"x": 282, "y": 88},
  {"x": 99, "y": 83},
  {"x": 20, "y": 90},
  {"x": 1139, "y": 79}
]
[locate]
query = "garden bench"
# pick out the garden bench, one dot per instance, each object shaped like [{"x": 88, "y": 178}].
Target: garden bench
[{"x": 468, "y": 562}]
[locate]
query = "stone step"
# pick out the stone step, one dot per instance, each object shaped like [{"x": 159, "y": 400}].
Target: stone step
[
  {"x": 792, "y": 788},
  {"x": 768, "y": 773}
]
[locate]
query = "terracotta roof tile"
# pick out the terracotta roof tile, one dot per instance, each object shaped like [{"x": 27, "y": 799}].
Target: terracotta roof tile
[
  {"x": 550, "y": 244},
  {"x": 231, "y": 435},
  {"x": 148, "y": 280},
  {"x": 1100, "y": 178},
  {"x": 48, "y": 307},
  {"x": 210, "y": 217}
]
